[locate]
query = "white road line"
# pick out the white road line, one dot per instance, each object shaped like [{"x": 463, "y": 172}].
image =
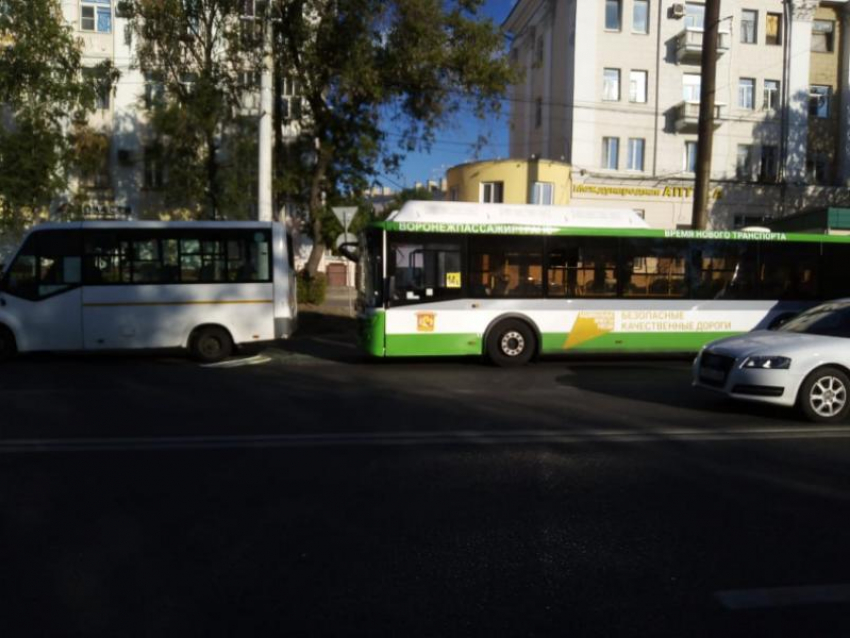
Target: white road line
[
  {"x": 784, "y": 596},
  {"x": 238, "y": 363},
  {"x": 383, "y": 439}
]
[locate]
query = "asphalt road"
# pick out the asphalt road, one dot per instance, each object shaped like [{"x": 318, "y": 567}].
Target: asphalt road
[{"x": 309, "y": 492}]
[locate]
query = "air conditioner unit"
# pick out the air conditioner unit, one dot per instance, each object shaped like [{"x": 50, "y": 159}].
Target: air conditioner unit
[{"x": 677, "y": 10}]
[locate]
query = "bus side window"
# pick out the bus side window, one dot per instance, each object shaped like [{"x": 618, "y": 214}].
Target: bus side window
[
  {"x": 506, "y": 266},
  {"x": 723, "y": 270},
  {"x": 48, "y": 263},
  {"x": 654, "y": 268},
  {"x": 582, "y": 267},
  {"x": 836, "y": 283},
  {"x": 789, "y": 271},
  {"x": 424, "y": 268}
]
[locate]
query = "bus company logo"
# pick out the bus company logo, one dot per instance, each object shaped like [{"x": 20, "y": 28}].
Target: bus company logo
[
  {"x": 426, "y": 321},
  {"x": 725, "y": 234}
]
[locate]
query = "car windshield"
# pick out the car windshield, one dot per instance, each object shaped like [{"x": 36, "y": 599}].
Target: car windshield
[{"x": 832, "y": 320}]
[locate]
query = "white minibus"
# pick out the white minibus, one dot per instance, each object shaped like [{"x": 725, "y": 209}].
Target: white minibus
[{"x": 208, "y": 287}]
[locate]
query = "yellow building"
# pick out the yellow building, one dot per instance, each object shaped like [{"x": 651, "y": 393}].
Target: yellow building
[{"x": 512, "y": 181}]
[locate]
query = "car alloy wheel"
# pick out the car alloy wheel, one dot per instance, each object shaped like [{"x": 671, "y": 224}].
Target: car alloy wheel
[{"x": 828, "y": 396}]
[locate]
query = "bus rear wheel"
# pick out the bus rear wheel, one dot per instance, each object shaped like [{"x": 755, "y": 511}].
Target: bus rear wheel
[
  {"x": 210, "y": 344},
  {"x": 511, "y": 343}
]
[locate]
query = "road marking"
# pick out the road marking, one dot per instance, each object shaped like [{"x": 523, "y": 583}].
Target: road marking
[
  {"x": 784, "y": 596},
  {"x": 238, "y": 363},
  {"x": 385, "y": 439}
]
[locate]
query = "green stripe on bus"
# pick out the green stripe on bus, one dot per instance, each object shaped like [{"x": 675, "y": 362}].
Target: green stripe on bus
[
  {"x": 433, "y": 345},
  {"x": 370, "y": 333},
  {"x": 635, "y": 342},
  {"x": 544, "y": 230}
]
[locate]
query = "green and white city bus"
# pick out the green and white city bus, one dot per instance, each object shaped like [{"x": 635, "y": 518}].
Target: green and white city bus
[{"x": 511, "y": 282}]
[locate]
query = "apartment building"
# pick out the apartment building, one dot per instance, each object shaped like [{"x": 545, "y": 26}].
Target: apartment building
[
  {"x": 131, "y": 179},
  {"x": 612, "y": 87}
]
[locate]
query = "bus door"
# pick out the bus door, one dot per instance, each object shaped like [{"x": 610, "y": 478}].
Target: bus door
[{"x": 40, "y": 295}]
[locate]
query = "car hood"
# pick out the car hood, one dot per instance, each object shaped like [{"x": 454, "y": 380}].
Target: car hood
[{"x": 769, "y": 342}]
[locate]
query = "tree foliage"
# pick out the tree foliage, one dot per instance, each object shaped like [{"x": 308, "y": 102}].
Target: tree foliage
[
  {"x": 42, "y": 94},
  {"x": 363, "y": 63},
  {"x": 196, "y": 55}
]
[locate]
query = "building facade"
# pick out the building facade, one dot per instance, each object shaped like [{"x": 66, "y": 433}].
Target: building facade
[
  {"x": 131, "y": 181},
  {"x": 612, "y": 87},
  {"x": 517, "y": 181}
]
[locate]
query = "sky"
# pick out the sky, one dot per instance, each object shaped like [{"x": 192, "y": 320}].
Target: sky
[{"x": 454, "y": 143}]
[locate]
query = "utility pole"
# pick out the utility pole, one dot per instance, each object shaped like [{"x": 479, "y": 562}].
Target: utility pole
[
  {"x": 706, "y": 113},
  {"x": 264, "y": 195}
]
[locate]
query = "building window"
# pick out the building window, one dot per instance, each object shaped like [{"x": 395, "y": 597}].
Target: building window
[
  {"x": 637, "y": 86},
  {"x": 96, "y": 16},
  {"x": 543, "y": 193},
  {"x": 95, "y": 174},
  {"x": 613, "y": 14},
  {"x": 819, "y": 99},
  {"x": 816, "y": 168},
  {"x": 747, "y": 93},
  {"x": 492, "y": 192},
  {"x": 769, "y": 169},
  {"x": 538, "y": 112},
  {"x": 103, "y": 87},
  {"x": 153, "y": 168},
  {"x": 771, "y": 95},
  {"x": 694, "y": 15},
  {"x": 640, "y": 16},
  {"x": 538, "y": 51},
  {"x": 634, "y": 162},
  {"x": 691, "y": 87},
  {"x": 454, "y": 194},
  {"x": 744, "y": 162},
  {"x": 611, "y": 85},
  {"x": 611, "y": 152},
  {"x": 823, "y": 36},
  {"x": 154, "y": 90},
  {"x": 690, "y": 157},
  {"x": 749, "y": 26},
  {"x": 773, "y": 30}
]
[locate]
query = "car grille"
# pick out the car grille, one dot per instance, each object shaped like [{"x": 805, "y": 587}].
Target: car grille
[{"x": 714, "y": 368}]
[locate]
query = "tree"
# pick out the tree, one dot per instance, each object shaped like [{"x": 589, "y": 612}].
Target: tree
[
  {"x": 199, "y": 58},
  {"x": 403, "y": 196},
  {"x": 44, "y": 103},
  {"x": 359, "y": 63}
]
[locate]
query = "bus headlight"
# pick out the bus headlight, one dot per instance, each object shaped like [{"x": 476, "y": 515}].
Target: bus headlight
[{"x": 767, "y": 363}]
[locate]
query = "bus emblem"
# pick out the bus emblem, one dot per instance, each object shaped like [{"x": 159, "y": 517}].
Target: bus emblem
[{"x": 425, "y": 321}]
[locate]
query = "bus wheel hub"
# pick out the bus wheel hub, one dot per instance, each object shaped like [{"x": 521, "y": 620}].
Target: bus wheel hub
[{"x": 513, "y": 343}]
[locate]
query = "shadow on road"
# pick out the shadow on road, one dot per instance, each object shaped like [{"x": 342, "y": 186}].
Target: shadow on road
[{"x": 663, "y": 382}]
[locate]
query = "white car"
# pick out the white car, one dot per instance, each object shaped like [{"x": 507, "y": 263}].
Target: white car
[{"x": 805, "y": 362}]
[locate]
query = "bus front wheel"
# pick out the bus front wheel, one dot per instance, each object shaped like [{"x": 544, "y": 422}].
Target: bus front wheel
[
  {"x": 210, "y": 344},
  {"x": 511, "y": 343}
]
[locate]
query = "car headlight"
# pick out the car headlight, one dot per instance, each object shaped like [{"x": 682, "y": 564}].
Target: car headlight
[{"x": 767, "y": 363}]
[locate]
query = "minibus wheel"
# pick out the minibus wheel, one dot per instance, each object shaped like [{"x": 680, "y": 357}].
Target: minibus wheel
[
  {"x": 210, "y": 344},
  {"x": 7, "y": 343}
]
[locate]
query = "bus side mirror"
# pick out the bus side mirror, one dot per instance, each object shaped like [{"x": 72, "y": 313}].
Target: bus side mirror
[{"x": 350, "y": 251}]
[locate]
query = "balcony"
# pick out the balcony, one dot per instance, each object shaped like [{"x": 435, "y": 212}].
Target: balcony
[
  {"x": 686, "y": 115},
  {"x": 689, "y": 45}
]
